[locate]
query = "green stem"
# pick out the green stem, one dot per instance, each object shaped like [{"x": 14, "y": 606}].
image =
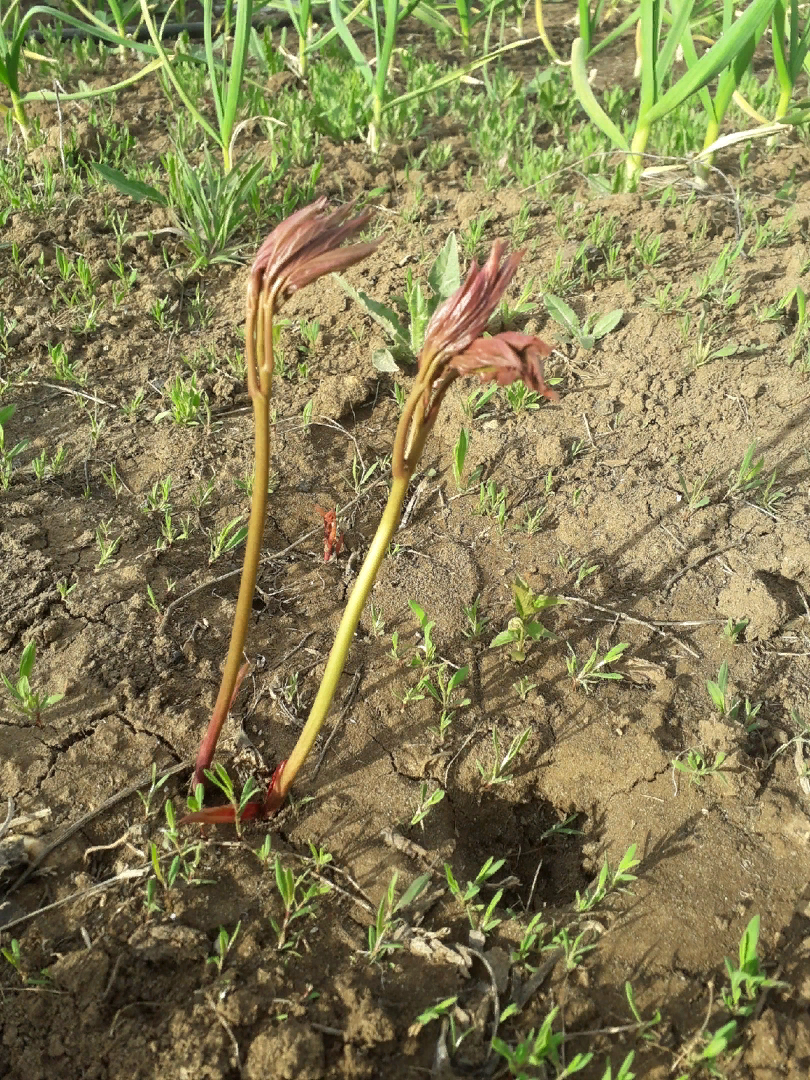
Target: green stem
[
  {"x": 343, "y": 639},
  {"x": 637, "y": 148},
  {"x": 19, "y": 115}
]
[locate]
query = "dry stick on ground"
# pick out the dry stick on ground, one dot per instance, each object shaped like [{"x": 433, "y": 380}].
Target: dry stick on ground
[
  {"x": 85, "y": 818},
  {"x": 655, "y": 627}
]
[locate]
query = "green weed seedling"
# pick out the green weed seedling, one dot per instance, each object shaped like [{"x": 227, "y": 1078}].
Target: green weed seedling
[
  {"x": 480, "y": 915},
  {"x": 585, "y": 334},
  {"x": 734, "y": 629},
  {"x": 447, "y": 691},
  {"x": 750, "y": 481},
  {"x": 478, "y": 400},
  {"x": 428, "y": 646},
  {"x": 425, "y": 804},
  {"x": 732, "y": 709},
  {"x": 156, "y": 783},
  {"x": 442, "y": 1010},
  {"x": 13, "y": 955},
  {"x": 222, "y": 946},
  {"x": 524, "y": 627},
  {"x": 23, "y": 698},
  {"x": 523, "y": 687},
  {"x": 187, "y": 402},
  {"x": 492, "y": 502},
  {"x": 747, "y": 981},
  {"x": 228, "y": 538},
  {"x": 609, "y": 881},
  {"x": 695, "y": 494},
  {"x": 497, "y": 773},
  {"x": 591, "y": 673},
  {"x": 444, "y": 277},
  {"x": 220, "y": 778},
  {"x": 459, "y": 457},
  {"x": 696, "y": 766},
  {"x": 521, "y": 399},
  {"x": 107, "y": 546},
  {"x": 382, "y": 932},
  {"x": 8, "y": 453},
  {"x": 476, "y": 622},
  {"x": 184, "y": 860},
  {"x": 540, "y": 1050},
  {"x": 299, "y": 896}
]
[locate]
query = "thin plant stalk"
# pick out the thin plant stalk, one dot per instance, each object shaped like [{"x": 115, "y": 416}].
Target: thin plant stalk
[
  {"x": 452, "y": 348},
  {"x": 300, "y": 250},
  {"x": 260, "y": 386}
]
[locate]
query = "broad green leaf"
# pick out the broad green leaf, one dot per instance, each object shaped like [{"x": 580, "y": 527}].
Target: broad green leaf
[
  {"x": 382, "y": 315},
  {"x": 444, "y": 277},
  {"x": 384, "y": 362},
  {"x": 506, "y": 637},
  {"x": 136, "y": 189},
  {"x": 27, "y": 659},
  {"x": 562, "y": 314},
  {"x": 605, "y": 323},
  {"x": 417, "y": 886}
]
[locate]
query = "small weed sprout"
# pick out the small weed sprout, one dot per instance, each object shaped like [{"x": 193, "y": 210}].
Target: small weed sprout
[
  {"x": 222, "y": 946},
  {"x": 538, "y": 1050},
  {"x": 609, "y": 881},
  {"x": 23, "y": 698},
  {"x": 524, "y": 628},
  {"x": 695, "y": 493},
  {"x": 696, "y": 766},
  {"x": 480, "y": 915},
  {"x": 459, "y": 457},
  {"x": 228, "y": 538},
  {"x": 476, "y": 622},
  {"x": 589, "y": 674},
  {"x": 428, "y": 646},
  {"x": 750, "y": 481},
  {"x": 220, "y": 778},
  {"x": 731, "y": 708},
  {"x": 478, "y": 400},
  {"x": 299, "y": 896},
  {"x": 64, "y": 589},
  {"x": 186, "y": 402},
  {"x": 383, "y": 931},
  {"x": 8, "y": 453},
  {"x": 447, "y": 692},
  {"x": 523, "y": 687},
  {"x": 107, "y": 547},
  {"x": 585, "y": 334},
  {"x": 734, "y": 629},
  {"x": 497, "y": 774},
  {"x": 377, "y": 621},
  {"x": 425, "y": 804},
  {"x": 492, "y": 503},
  {"x": 156, "y": 783},
  {"x": 747, "y": 981}
]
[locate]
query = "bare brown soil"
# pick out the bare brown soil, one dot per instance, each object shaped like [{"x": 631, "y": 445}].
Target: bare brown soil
[{"x": 129, "y": 993}]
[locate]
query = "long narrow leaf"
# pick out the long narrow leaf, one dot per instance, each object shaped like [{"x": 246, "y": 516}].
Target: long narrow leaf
[
  {"x": 587, "y": 98},
  {"x": 714, "y": 60},
  {"x": 345, "y": 34}
]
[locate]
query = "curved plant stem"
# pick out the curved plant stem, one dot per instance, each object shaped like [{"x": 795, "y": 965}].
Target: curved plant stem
[
  {"x": 260, "y": 313},
  {"x": 343, "y": 639}
]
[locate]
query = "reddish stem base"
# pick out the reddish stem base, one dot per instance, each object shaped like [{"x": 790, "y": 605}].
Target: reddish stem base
[{"x": 226, "y": 815}]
